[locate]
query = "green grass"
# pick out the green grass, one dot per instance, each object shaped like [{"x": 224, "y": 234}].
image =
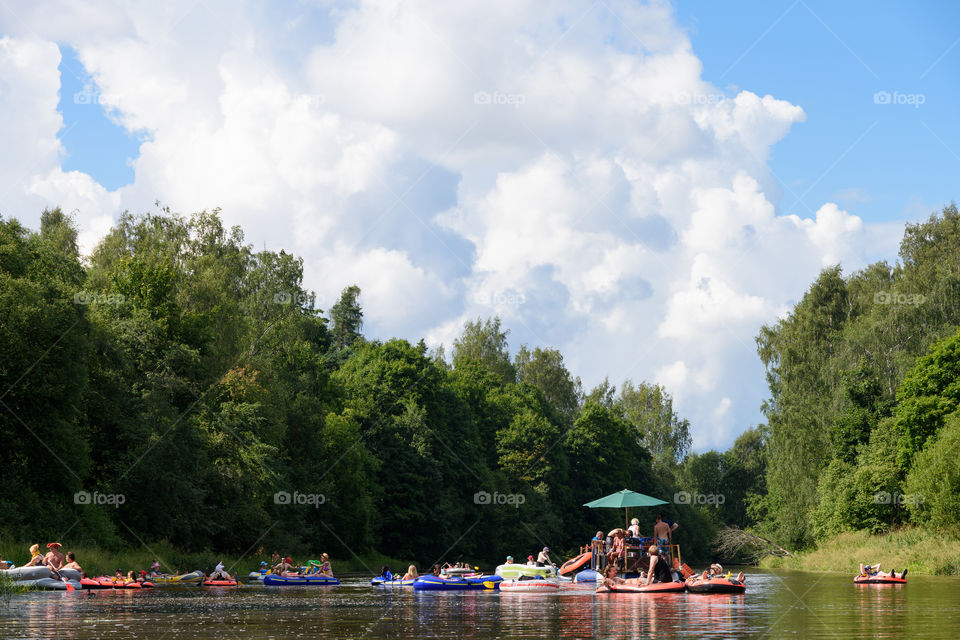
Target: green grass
[
  {"x": 920, "y": 551},
  {"x": 96, "y": 561}
]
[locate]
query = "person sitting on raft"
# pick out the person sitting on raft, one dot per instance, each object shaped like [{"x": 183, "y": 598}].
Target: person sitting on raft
[
  {"x": 658, "y": 571},
  {"x": 285, "y": 565},
  {"x": 72, "y": 562},
  {"x": 873, "y": 570},
  {"x": 35, "y": 558},
  {"x": 54, "y": 558},
  {"x": 219, "y": 573},
  {"x": 155, "y": 568},
  {"x": 435, "y": 571},
  {"x": 509, "y": 560},
  {"x": 716, "y": 571},
  {"x": 618, "y": 550},
  {"x": 325, "y": 568},
  {"x": 531, "y": 562},
  {"x": 611, "y": 580},
  {"x": 411, "y": 573},
  {"x": 385, "y": 573}
]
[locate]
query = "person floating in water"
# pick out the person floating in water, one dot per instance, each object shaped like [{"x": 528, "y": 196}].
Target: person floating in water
[{"x": 875, "y": 571}]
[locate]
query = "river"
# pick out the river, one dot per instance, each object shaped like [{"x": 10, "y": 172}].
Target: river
[{"x": 776, "y": 605}]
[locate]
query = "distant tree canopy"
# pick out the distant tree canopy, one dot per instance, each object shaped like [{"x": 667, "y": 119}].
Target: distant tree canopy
[{"x": 195, "y": 377}]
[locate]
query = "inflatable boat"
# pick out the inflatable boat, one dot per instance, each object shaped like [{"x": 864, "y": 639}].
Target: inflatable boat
[
  {"x": 185, "y": 578},
  {"x": 43, "y": 578},
  {"x": 220, "y": 583},
  {"x": 655, "y": 587},
  {"x": 379, "y": 581},
  {"x": 588, "y": 575},
  {"x": 715, "y": 585},
  {"x": 514, "y": 571},
  {"x": 878, "y": 580},
  {"x": 574, "y": 564},
  {"x": 273, "y": 580},
  {"x": 529, "y": 586},
  {"x": 107, "y": 582},
  {"x": 434, "y": 583}
]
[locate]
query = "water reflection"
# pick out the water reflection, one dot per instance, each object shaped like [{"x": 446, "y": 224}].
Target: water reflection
[{"x": 775, "y": 605}]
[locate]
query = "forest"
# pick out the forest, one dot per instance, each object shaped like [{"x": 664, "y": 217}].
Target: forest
[{"x": 178, "y": 386}]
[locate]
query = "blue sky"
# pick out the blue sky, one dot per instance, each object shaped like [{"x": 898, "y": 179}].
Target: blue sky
[
  {"x": 831, "y": 58},
  {"x": 597, "y": 205}
]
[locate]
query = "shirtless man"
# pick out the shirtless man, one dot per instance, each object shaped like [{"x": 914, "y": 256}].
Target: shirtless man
[{"x": 54, "y": 558}]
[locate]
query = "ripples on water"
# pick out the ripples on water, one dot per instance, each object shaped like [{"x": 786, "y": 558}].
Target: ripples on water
[{"x": 777, "y": 605}]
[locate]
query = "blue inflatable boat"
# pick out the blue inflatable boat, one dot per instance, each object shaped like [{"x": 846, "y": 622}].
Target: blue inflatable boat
[
  {"x": 380, "y": 581},
  {"x": 434, "y": 583},
  {"x": 286, "y": 581}
]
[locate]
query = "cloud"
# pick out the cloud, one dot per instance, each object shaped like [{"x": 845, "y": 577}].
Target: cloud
[{"x": 566, "y": 168}]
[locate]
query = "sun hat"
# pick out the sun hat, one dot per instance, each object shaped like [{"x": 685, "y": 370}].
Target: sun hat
[{"x": 51, "y": 545}]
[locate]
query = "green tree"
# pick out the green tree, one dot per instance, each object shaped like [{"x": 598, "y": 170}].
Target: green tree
[
  {"x": 347, "y": 317},
  {"x": 485, "y": 342}
]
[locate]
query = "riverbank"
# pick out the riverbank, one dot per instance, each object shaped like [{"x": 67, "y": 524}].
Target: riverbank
[
  {"x": 920, "y": 551},
  {"x": 96, "y": 561}
]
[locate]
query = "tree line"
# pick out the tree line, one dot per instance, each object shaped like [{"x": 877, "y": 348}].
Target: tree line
[{"x": 178, "y": 386}]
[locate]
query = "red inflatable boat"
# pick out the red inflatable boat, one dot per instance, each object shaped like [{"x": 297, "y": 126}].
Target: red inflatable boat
[
  {"x": 106, "y": 582},
  {"x": 220, "y": 583},
  {"x": 573, "y": 564},
  {"x": 878, "y": 580},
  {"x": 714, "y": 585},
  {"x": 655, "y": 587}
]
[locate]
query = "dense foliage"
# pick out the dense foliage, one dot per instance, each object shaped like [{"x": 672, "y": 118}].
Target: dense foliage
[
  {"x": 178, "y": 386},
  {"x": 864, "y": 379}
]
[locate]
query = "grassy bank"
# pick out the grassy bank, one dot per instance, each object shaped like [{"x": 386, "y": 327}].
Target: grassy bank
[
  {"x": 910, "y": 548},
  {"x": 96, "y": 561}
]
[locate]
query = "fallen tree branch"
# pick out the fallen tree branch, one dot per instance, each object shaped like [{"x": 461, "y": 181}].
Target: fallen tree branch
[{"x": 734, "y": 542}]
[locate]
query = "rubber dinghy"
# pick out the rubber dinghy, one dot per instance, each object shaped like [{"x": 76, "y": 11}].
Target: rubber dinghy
[
  {"x": 221, "y": 583},
  {"x": 435, "y": 583},
  {"x": 379, "y": 581},
  {"x": 655, "y": 587},
  {"x": 273, "y": 580},
  {"x": 529, "y": 586},
  {"x": 878, "y": 580},
  {"x": 514, "y": 571},
  {"x": 43, "y": 578},
  {"x": 574, "y": 564},
  {"x": 715, "y": 585},
  {"x": 108, "y": 582},
  {"x": 183, "y": 579}
]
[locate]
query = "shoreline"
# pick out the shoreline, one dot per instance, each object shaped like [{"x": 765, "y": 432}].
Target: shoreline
[{"x": 920, "y": 551}]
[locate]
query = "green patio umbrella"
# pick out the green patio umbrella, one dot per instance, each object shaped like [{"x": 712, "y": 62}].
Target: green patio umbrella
[{"x": 624, "y": 500}]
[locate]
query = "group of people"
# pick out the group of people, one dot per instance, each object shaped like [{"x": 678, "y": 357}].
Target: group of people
[
  {"x": 614, "y": 544},
  {"x": 284, "y": 566},
  {"x": 543, "y": 559},
  {"x": 54, "y": 559}
]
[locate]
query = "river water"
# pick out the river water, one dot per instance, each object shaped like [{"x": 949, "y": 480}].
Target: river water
[{"x": 776, "y": 605}]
